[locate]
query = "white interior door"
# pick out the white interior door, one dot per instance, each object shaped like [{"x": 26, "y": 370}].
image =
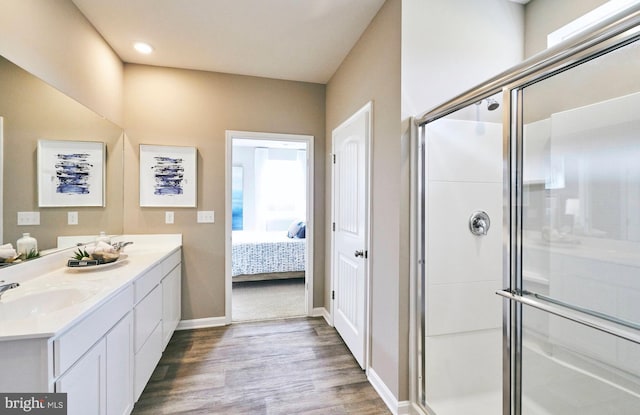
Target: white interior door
[{"x": 350, "y": 237}]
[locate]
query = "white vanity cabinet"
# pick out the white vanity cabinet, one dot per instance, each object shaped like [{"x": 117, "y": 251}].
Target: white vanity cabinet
[
  {"x": 92, "y": 361},
  {"x": 103, "y": 357},
  {"x": 157, "y": 294},
  {"x": 100, "y": 382}
]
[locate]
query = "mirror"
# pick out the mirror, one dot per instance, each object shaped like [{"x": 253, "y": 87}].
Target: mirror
[{"x": 33, "y": 110}]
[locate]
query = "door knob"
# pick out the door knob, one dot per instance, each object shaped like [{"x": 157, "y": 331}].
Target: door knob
[{"x": 359, "y": 254}]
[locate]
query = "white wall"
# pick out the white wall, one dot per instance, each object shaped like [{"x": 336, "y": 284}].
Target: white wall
[
  {"x": 450, "y": 46},
  {"x": 53, "y": 41}
]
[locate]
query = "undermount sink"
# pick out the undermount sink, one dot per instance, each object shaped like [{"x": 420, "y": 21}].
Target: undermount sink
[{"x": 20, "y": 306}]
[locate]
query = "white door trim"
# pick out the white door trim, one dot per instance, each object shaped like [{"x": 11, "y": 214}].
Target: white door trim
[
  {"x": 368, "y": 107},
  {"x": 309, "y": 140}
]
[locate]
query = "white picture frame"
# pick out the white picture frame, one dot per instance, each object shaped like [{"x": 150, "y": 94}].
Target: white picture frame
[
  {"x": 71, "y": 173},
  {"x": 168, "y": 176}
]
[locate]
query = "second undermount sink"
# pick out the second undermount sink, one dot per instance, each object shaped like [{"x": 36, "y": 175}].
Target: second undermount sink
[{"x": 19, "y": 306}]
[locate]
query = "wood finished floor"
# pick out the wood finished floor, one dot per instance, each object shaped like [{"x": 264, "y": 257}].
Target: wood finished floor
[{"x": 291, "y": 366}]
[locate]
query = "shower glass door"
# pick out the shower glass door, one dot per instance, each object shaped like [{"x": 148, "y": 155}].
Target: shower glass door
[
  {"x": 460, "y": 315},
  {"x": 577, "y": 227}
]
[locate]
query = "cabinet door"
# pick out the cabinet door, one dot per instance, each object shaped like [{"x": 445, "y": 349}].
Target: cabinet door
[
  {"x": 85, "y": 383},
  {"x": 171, "y": 304},
  {"x": 119, "y": 364}
]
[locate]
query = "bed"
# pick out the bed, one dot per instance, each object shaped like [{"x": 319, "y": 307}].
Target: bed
[{"x": 266, "y": 255}]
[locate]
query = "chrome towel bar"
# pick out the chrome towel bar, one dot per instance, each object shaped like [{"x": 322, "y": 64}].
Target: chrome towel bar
[{"x": 599, "y": 321}]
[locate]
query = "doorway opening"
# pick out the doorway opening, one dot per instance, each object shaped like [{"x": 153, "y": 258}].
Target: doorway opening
[{"x": 269, "y": 226}]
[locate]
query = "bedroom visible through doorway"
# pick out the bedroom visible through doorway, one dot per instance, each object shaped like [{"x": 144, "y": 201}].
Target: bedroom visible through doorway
[{"x": 268, "y": 215}]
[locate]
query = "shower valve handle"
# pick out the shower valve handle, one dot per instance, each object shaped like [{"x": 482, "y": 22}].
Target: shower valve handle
[{"x": 479, "y": 223}]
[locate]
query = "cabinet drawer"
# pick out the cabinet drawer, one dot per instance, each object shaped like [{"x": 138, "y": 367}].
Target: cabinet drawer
[
  {"x": 72, "y": 344},
  {"x": 147, "y": 315},
  {"x": 147, "y": 282},
  {"x": 171, "y": 261},
  {"x": 146, "y": 360}
]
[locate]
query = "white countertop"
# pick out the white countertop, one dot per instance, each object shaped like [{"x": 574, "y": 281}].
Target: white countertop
[
  {"x": 91, "y": 287},
  {"x": 596, "y": 249}
]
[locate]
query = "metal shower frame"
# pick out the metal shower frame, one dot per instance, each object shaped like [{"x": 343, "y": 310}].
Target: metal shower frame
[{"x": 621, "y": 29}]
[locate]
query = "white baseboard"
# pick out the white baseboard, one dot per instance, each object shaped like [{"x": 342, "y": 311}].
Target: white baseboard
[
  {"x": 322, "y": 312},
  {"x": 405, "y": 408},
  {"x": 200, "y": 323},
  {"x": 384, "y": 392}
]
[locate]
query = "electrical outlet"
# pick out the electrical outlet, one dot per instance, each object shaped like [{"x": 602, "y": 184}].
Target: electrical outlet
[
  {"x": 206, "y": 216},
  {"x": 28, "y": 218},
  {"x": 168, "y": 218},
  {"x": 72, "y": 218}
]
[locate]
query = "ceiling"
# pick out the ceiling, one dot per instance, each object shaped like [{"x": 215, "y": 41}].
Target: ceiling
[{"x": 301, "y": 40}]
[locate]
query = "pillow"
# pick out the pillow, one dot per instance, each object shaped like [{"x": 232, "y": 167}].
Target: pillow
[{"x": 297, "y": 230}]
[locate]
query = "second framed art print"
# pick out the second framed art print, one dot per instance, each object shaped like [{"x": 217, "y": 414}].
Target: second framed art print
[{"x": 168, "y": 176}]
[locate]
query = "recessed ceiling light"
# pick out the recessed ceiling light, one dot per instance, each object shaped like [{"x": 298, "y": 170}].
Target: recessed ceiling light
[{"x": 143, "y": 47}]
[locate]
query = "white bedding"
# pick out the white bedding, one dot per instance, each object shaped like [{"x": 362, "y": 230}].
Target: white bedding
[{"x": 266, "y": 252}]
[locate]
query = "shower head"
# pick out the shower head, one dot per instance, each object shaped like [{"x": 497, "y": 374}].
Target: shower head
[{"x": 492, "y": 104}]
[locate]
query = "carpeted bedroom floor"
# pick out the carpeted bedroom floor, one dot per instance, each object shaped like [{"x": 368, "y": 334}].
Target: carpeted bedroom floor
[{"x": 266, "y": 300}]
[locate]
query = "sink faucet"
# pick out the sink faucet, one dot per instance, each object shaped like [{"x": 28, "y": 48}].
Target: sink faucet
[
  {"x": 118, "y": 246},
  {"x": 6, "y": 287}
]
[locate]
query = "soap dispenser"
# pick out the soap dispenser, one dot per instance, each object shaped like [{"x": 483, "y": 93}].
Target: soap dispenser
[{"x": 27, "y": 245}]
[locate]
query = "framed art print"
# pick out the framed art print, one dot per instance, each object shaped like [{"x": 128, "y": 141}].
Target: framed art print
[
  {"x": 71, "y": 173},
  {"x": 168, "y": 176}
]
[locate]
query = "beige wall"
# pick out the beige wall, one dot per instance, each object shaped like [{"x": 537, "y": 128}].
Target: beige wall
[
  {"x": 193, "y": 108},
  {"x": 371, "y": 72},
  {"x": 52, "y": 40},
  {"x": 545, "y": 16},
  {"x": 33, "y": 110}
]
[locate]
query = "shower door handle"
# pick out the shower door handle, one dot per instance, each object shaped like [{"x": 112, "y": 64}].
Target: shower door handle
[{"x": 580, "y": 315}]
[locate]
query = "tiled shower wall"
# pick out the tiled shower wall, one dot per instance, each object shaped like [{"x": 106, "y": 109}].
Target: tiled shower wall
[{"x": 463, "y": 271}]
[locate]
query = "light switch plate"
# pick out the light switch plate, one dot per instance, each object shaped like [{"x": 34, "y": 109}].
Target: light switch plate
[
  {"x": 206, "y": 216},
  {"x": 28, "y": 218},
  {"x": 168, "y": 217}
]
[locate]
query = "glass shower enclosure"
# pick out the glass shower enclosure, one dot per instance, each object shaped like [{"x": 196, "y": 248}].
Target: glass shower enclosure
[{"x": 555, "y": 166}]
